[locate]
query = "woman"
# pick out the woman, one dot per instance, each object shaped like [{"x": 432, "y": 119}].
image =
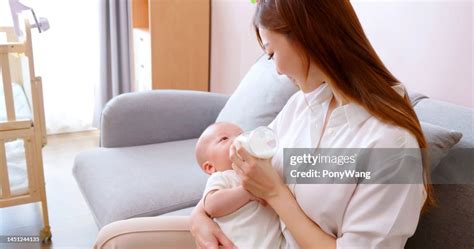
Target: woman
[
  {"x": 321, "y": 46},
  {"x": 348, "y": 99}
]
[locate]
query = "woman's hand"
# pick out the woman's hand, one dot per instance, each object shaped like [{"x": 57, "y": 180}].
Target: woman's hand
[
  {"x": 257, "y": 175},
  {"x": 255, "y": 198},
  {"x": 206, "y": 233}
]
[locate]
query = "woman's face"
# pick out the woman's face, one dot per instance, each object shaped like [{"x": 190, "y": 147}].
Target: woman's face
[
  {"x": 284, "y": 53},
  {"x": 289, "y": 62}
]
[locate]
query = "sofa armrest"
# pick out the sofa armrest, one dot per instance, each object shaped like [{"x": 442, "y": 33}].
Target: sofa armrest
[{"x": 158, "y": 116}]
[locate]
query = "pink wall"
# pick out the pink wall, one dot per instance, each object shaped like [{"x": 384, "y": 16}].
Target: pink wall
[
  {"x": 426, "y": 44},
  {"x": 234, "y": 47}
]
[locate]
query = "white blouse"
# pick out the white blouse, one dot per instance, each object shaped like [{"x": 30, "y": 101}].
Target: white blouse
[{"x": 357, "y": 216}]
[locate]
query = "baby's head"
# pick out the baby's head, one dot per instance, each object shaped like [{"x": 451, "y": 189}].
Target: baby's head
[{"x": 212, "y": 148}]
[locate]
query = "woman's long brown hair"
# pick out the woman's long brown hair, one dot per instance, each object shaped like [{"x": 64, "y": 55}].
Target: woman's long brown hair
[{"x": 329, "y": 33}]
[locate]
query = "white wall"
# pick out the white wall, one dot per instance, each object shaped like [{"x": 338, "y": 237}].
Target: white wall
[{"x": 426, "y": 44}]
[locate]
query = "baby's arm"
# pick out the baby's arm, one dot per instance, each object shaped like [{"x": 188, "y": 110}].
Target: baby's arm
[{"x": 221, "y": 202}]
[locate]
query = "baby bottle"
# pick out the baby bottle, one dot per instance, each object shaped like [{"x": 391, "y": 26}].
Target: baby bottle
[{"x": 261, "y": 142}]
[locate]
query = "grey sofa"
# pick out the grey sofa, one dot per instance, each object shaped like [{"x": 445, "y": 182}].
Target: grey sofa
[{"x": 146, "y": 167}]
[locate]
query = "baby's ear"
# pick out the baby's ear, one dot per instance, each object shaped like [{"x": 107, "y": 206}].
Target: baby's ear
[{"x": 208, "y": 167}]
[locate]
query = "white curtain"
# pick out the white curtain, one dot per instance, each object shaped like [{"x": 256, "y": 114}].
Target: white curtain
[{"x": 67, "y": 57}]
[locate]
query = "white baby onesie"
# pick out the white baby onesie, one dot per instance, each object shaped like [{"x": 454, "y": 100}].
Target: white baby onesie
[{"x": 251, "y": 226}]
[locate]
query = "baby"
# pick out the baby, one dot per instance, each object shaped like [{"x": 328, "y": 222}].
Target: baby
[{"x": 238, "y": 213}]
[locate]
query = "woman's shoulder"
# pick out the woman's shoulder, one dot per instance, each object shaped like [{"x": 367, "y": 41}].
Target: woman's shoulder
[
  {"x": 298, "y": 95},
  {"x": 293, "y": 104},
  {"x": 387, "y": 135}
]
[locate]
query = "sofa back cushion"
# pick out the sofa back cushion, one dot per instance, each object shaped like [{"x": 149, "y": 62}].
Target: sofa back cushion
[
  {"x": 440, "y": 141},
  {"x": 456, "y": 167},
  {"x": 444, "y": 226}
]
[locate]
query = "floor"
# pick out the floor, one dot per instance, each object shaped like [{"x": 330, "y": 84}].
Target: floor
[{"x": 72, "y": 224}]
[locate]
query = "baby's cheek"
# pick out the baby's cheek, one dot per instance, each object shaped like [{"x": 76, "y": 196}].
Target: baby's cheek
[{"x": 225, "y": 159}]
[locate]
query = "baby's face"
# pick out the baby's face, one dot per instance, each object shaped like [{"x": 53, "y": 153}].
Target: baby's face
[{"x": 213, "y": 147}]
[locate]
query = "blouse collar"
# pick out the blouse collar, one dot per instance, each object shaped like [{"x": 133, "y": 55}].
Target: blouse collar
[
  {"x": 352, "y": 113},
  {"x": 319, "y": 95}
]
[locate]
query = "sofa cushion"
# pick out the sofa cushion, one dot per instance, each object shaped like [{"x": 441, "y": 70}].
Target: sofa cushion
[
  {"x": 415, "y": 97},
  {"x": 149, "y": 180},
  {"x": 440, "y": 140},
  {"x": 456, "y": 166},
  {"x": 260, "y": 96},
  {"x": 449, "y": 224},
  {"x": 180, "y": 212}
]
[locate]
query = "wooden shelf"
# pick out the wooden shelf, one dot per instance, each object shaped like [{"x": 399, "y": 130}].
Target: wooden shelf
[
  {"x": 140, "y": 14},
  {"x": 179, "y": 38}
]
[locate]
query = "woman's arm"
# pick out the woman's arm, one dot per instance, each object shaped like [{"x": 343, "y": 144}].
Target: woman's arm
[
  {"x": 306, "y": 233},
  {"x": 206, "y": 232},
  {"x": 221, "y": 202}
]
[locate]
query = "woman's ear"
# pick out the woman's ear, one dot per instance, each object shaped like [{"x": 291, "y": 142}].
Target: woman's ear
[{"x": 208, "y": 167}]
